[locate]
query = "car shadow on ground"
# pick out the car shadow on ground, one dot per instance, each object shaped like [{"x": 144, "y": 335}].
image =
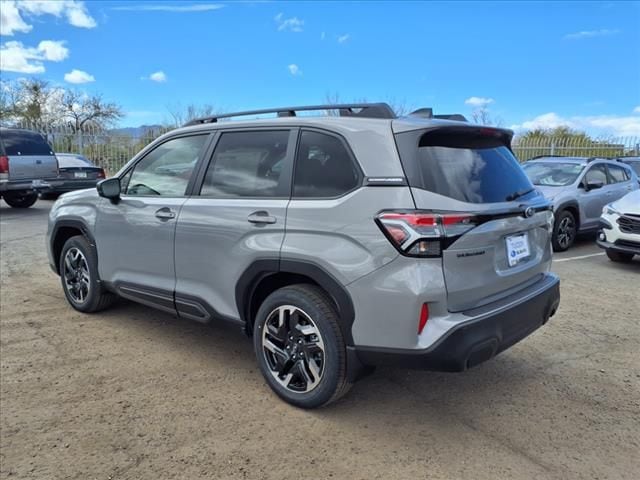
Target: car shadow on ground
[{"x": 227, "y": 347}]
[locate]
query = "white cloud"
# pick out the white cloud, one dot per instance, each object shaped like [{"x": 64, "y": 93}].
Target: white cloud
[
  {"x": 637, "y": 109},
  {"x": 10, "y": 19},
  {"x": 15, "y": 57},
  {"x": 74, "y": 11},
  {"x": 196, "y": 7},
  {"x": 603, "y": 32},
  {"x": 159, "y": 77},
  {"x": 595, "y": 124},
  {"x": 293, "y": 24},
  {"x": 78, "y": 76},
  {"x": 53, "y": 51},
  {"x": 294, "y": 70},
  {"x": 344, "y": 38},
  {"x": 479, "y": 102}
]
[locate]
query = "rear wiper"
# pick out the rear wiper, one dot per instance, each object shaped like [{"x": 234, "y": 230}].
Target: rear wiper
[{"x": 518, "y": 194}]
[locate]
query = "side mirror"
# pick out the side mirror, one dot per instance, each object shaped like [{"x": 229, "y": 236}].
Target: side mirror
[
  {"x": 594, "y": 185},
  {"x": 109, "y": 188}
]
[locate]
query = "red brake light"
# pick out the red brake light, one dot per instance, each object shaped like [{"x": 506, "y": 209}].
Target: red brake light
[
  {"x": 101, "y": 173},
  {"x": 4, "y": 164},
  {"x": 424, "y": 316},
  {"x": 421, "y": 233}
]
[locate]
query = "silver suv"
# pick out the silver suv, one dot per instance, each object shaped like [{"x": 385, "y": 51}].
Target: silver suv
[
  {"x": 579, "y": 187},
  {"x": 27, "y": 166},
  {"x": 337, "y": 242}
]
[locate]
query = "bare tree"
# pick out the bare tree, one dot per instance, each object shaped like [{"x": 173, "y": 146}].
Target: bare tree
[
  {"x": 482, "y": 116},
  {"x": 400, "y": 107},
  {"x": 85, "y": 111},
  {"x": 181, "y": 115},
  {"x": 31, "y": 101}
]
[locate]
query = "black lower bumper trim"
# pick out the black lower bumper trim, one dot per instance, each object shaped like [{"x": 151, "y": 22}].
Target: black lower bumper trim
[
  {"x": 475, "y": 341},
  {"x": 616, "y": 247}
]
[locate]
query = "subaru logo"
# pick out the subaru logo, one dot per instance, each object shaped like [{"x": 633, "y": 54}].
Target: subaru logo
[{"x": 529, "y": 211}]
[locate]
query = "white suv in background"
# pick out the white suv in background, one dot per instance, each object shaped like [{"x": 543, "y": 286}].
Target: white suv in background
[{"x": 620, "y": 233}]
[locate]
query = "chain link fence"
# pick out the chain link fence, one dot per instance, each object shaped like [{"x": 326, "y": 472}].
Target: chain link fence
[{"x": 111, "y": 149}]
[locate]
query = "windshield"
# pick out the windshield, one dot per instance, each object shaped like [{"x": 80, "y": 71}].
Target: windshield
[{"x": 552, "y": 174}]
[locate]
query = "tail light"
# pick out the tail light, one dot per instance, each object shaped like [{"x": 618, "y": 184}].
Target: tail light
[
  {"x": 424, "y": 234},
  {"x": 4, "y": 167},
  {"x": 101, "y": 173}
]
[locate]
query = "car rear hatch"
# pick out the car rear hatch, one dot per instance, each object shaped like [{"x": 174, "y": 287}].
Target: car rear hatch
[
  {"x": 491, "y": 225},
  {"x": 29, "y": 154}
]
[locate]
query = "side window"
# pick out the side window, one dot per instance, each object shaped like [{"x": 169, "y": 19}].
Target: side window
[
  {"x": 248, "y": 164},
  {"x": 166, "y": 170},
  {"x": 597, "y": 173},
  {"x": 618, "y": 174},
  {"x": 324, "y": 167}
]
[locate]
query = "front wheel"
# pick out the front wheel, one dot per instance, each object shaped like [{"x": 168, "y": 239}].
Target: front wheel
[
  {"x": 300, "y": 348},
  {"x": 79, "y": 275},
  {"x": 620, "y": 257},
  {"x": 564, "y": 231},
  {"x": 20, "y": 199}
]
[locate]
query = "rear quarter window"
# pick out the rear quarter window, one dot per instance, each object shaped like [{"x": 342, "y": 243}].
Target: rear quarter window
[{"x": 24, "y": 143}]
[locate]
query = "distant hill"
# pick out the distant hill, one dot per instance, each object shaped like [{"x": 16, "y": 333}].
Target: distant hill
[{"x": 136, "y": 132}]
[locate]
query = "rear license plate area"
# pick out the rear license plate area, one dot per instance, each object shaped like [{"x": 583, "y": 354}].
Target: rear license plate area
[{"x": 518, "y": 248}]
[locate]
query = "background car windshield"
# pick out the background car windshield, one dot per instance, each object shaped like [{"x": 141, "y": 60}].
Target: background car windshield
[
  {"x": 67, "y": 161},
  {"x": 553, "y": 174}
]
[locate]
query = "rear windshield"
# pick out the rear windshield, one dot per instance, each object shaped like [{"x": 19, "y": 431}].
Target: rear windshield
[
  {"x": 469, "y": 166},
  {"x": 17, "y": 142},
  {"x": 66, "y": 161}
]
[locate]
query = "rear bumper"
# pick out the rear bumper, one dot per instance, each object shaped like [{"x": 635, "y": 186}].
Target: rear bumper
[
  {"x": 37, "y": 185},
  {"x": 63, "y": 186},
  {"x": 480, "y": 338}
]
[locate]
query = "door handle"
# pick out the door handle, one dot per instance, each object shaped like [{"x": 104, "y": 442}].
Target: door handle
[
  {"x": 261, "y": 216},
  {"x": 165, "y": 214}
]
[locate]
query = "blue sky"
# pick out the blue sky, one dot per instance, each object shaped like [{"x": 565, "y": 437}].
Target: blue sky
[{"x": 530, "y": 64}]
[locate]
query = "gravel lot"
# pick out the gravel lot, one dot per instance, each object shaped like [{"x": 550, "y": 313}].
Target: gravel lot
[{"x": 133, "y": 393}]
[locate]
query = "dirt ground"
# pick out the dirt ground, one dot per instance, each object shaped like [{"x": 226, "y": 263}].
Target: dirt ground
[{"x": 133, "y": 393}]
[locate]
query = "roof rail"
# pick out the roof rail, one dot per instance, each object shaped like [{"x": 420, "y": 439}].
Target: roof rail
[
  {"x": 562, "y": 156},
  {"x": 363, "y": 110},
  {"x": 427, "y": 112}
]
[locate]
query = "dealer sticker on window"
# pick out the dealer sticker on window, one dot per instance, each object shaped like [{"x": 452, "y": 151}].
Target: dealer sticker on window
[{"x": 517, "y": 248}]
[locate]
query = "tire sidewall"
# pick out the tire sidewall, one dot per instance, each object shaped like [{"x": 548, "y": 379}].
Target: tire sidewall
[
  {"x": 20, "y": 200},
  {"x": 83, "y": 245},
  {"x": 556, "y": 246},
  {"x": 325, "y": 390}
]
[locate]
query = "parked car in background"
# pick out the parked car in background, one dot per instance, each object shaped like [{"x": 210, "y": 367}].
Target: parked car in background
[
  {"x": 620, "y": 233},
  {"x": 579, "y": 188},
  {"x": 414, "y": 240},
  {"x": 633, "y": 162},
  {"x": 27, "y": 166},
  {"x": 75, "y": 173}
]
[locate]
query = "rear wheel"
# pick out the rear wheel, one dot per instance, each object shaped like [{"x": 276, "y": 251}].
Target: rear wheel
[
  {"x": 564, "y": 231},
  {"x": 20, "y": 199},
  {"x": 79, "y": 276},
  {"x": 619, "y": 256},
  {"x": 299, "y": 346}
]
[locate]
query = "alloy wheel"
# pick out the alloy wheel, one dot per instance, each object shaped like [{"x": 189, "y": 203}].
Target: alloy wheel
[
  {"x": 293, "y": 349},
  {"x": 566, "y": 232},
  {"x": 76, "y": 275}
]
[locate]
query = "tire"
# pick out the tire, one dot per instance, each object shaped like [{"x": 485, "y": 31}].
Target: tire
[
  {"x": 620, "y": 257},
  {"x": 20, "y": 199},
  {"x": 565, "y": 230},
  {"x": 309, "y": 330},
  {"x": 79, "y": 277}
]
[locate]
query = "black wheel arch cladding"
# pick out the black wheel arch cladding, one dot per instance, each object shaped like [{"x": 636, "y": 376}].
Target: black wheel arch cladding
[{"x": 260, "y": 271}]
